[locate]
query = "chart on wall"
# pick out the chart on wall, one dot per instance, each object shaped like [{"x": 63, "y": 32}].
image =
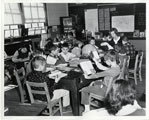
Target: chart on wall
[
  {"x": 123, "y": 23},
  {"x": 91, "y": 20}
]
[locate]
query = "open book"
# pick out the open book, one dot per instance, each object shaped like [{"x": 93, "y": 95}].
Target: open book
[{"x": 87, "y": 67}]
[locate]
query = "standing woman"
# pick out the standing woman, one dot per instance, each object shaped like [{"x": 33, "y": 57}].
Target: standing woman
[
  {"x": 22, "y": 55},
  {"x": 116, "y": 39}
]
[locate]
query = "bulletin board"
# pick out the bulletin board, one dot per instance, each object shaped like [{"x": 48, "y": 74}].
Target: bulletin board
[{"x": 125, "y": 23}]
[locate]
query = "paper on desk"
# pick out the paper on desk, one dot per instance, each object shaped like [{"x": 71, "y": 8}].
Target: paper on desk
[
  {"x": 57, "y": 75},
  {"x": 54, "y": 73},
  {"x": 49, "y": 69},
  {"x": 60, "y": 76},
  {"x": 9, "y": 87},
  {"x": 62, "y": 65}
]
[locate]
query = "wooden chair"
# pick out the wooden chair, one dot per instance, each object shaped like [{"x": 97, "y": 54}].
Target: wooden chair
[
  {"x": 21, "y": 73},
  {"x": 127, "y": 67},
  {"x": 134, "y": 71},
  {"x": 140, "y": 64},
  {"x": 20, "y": 86},
  {"x": 122, "y": 71},
  {"x": 50, "y": 104},
  {"x": 93, "y": 96}
]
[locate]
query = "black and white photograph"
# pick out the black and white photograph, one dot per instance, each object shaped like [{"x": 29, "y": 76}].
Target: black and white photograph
[{"x": 69, "y": 59}]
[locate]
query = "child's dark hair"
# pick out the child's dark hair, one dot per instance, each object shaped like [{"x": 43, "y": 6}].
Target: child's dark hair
[
  {"x": 115, "y": 31},
  {"x": 112, "y": 55},
  {"x": 70, "y": 33},
  {"x": 121, "y": 93},
  {"x": 65, "y": 44},
  {"x": 53, "y": 47}
]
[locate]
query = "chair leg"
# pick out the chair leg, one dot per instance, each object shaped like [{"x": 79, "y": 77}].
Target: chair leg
[
  {"x": 140, "y": 76},
  {"x": 50, "y": 111},
  {"x": 90, "y": 101},
  {"x": 60, "y": 106},
  {"x": 135, "y": 78}
]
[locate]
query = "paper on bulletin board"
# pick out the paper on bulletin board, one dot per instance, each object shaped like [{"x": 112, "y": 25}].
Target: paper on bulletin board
[
  {"x": 91, "y": 20},
  {"x": 123, "y": 23}
]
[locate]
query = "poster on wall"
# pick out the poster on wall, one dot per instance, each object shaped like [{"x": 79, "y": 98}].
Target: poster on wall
[{"x": 123, "y": 23}]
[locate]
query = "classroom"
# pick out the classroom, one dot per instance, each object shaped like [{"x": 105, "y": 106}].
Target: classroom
[{"x": 74, "y": 59}]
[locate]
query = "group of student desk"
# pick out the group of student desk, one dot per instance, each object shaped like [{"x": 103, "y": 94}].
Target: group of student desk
[{"x": 73, "y": 81}]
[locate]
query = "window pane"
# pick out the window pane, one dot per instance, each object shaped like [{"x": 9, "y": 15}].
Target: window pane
[
  {"x": 33, "y": 4},
  {"x": 41, "y": 13},
  {"x": 36, "y": 20},
  {"x": 38, "y": 31},
  {"x": 14, "y": 6},
  {"x": 15, "y": 11},
  {"x": 6, "y": 27},
  {"x": 16, "y": 33},
  {"x": 41, "y": 25},
  {"x": 7, "y": 9},
  {"x": 42, "y": 20},
  {"x": 13, "y": 26},
  {"x": 40, "y": 4},
  {"x": 30, "y": 32},
  {"x": 26, "y": 4},
  {"x": 7, "y": 33},
  {"x": 11, "y": 33},
  {"x": 28, "y": 25},
  {"x": 34, "y": 13},
  {"x": 27, "y": 12},
  {"x": 43, "y": 31},
  {"x": 8, "y": 19},
  {"x": 34, "y": 25},
  {"x": 28, "y": 21},
  {"x": 17, "y": 19}
]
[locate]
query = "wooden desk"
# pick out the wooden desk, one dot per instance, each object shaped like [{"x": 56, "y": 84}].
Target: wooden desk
[
  {"x": 16, "y": 109},
  {"x": 73, "y": 82}
]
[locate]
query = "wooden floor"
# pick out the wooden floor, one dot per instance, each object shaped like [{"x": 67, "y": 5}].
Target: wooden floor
[{"x": 13, "y": 95}]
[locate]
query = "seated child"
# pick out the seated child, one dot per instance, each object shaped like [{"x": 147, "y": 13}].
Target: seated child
[
  {"x": 77, "y": 49},
  {"x": 65, "y": 54},
  {"x": 38, "y": 75},
  {"x": 52, "y": 58},
  {"x": 120, "y": 101},
  {"x": 109, "y": 72}
]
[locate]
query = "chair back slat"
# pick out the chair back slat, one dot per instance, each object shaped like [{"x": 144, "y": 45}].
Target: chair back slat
[
  {"x": 128, "y": 60},
  {"x": 140, "y": 59},
  {"x": 122, "y": 71},
  {"x": 29, "y": 92},
  {"x": 40, "y": 92},
  {"x": 136, "y": 62}
]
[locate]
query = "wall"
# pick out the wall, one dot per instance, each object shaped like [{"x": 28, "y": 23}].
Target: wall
[
  {"x": 55, "y": 11},
  {"x": 139, "y": 44}
]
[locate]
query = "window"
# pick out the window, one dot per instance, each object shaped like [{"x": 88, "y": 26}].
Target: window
[
  {"x": 35, "y": 18},
  {"x": 12, "y": 14},
  {"x": 12, "y": 20},
  {"x": 12, "y": 31},
  {"x": 34, "y": 12}
]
